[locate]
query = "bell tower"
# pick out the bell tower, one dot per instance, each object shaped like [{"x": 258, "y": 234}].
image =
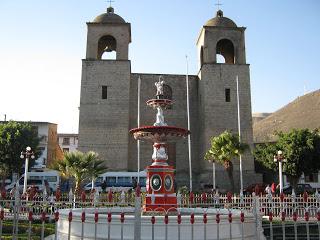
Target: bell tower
[
  {"x": 222, "y": 58},
  {"x": 105, "y": 85}
]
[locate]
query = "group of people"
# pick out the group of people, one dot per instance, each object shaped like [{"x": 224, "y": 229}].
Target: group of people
[{"x": 271, "y": 189}]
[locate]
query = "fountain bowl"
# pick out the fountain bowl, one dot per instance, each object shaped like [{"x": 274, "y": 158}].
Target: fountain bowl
[
  {"x": 159, "y": 133},
  {"x": 101, "y": 228}
]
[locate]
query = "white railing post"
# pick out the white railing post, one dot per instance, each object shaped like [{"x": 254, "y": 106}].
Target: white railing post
[
  {"x": 137, "y": 214},
  {"x": 256, "y": 212},
  {"x": 16, "y": 212}
]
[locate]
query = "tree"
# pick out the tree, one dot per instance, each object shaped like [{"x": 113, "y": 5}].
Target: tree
[
  {"x": 96, "y": 166},
  {"x": 14, "y": 138},
  {"x": 80, "y": 166},
  {"x": 301, "y": 149},
  {"x": 223, "y": 148}
]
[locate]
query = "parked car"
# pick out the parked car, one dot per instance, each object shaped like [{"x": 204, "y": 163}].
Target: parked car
[
  {"x": 259, "y": 187},
  {"x": 301, "y": 188}
]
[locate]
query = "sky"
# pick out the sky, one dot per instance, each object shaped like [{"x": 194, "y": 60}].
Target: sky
[{"x": 42, "y": 43}]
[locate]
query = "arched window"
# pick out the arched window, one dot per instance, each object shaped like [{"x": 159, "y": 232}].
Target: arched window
[
  {"x": 107, "y": 47},
  {"x": 225, "y": 48}
]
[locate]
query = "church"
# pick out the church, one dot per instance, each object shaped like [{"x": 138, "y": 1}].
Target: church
[{"x": 109, "y": 96}]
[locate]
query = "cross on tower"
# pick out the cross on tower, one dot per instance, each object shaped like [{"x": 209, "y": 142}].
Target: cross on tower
[
  {"x": 110, "y": 1},
  {"x": 218, "y": 4}
]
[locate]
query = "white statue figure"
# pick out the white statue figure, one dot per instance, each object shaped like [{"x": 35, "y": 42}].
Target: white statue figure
[
  {"x": 159, "y": 86},
  {"x": 159, "y": 153},
  {"x": 160, "y": 118}
]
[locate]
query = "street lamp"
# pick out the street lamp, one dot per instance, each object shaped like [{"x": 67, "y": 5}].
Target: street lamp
[
  {"x": 279, "y": 158},
  {"x": 27, "y": 154},
  {"x": 213, "y": 174}
]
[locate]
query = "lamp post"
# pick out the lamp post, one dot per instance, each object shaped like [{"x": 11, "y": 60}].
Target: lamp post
[
  {"x": 279, "y": 158},
  {"x": 27, "y": 154},
  {"x": 213, "y": 174}
]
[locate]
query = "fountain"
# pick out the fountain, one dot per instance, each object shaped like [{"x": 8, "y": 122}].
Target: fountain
[
  {"x": 164, "y": 214},
  {"x": 160, "y": 176}
]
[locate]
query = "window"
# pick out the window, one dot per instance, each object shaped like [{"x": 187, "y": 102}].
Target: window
[
  {"x": 34, "y": 177},
  {"x": 226, "y": 51},
  {"x": 227, "y": 95},
  {"x": 51, "y": 178},
  {"x": 104, "y": 92},
  {"x": 35, "y": 129},
  {"x": 107, "y": 48},
  {"x": 312, "y": 177},
  {"x": 143, "y": 181},
  {"x": 124, "y": 180},
  {"x": 66, "y": 141},
  {"x": 111, "y": 179}
]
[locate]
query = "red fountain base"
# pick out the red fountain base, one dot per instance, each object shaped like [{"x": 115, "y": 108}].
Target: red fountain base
[{"x": 160, "y": 189}]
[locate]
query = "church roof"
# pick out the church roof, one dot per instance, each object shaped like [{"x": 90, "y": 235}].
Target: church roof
[
  {"x": 109, "y": 17},
  {"x": 303, "y": 112},
  {"x": 220, "y": 21}
]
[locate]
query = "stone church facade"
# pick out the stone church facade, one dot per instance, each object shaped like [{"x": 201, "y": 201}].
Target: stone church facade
[{"x": 109, "y": 93}]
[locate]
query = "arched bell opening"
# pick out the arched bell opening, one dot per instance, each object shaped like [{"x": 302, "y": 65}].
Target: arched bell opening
[
  {"x": 225, "y": 52},
  {"x": 107, "y": 48}
]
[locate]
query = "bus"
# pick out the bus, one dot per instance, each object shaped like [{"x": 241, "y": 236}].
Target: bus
[
  {"x": 51, "y": 177},
  {"x": 119, "y": 181}
]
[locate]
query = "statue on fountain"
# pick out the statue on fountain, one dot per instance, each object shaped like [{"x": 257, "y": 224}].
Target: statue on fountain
[
  {"x": 159, "y": 86},
  {"x": 159, "y": 118}
]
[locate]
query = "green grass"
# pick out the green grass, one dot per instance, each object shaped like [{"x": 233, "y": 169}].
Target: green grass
[
  {"x": 36, "y": 227},
  {"x": 289, "y": 230}
]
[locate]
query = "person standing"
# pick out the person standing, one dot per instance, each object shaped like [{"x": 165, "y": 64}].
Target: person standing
[
  {"x": 273, "y": 188},
  {"x": 268, "y": 189}
]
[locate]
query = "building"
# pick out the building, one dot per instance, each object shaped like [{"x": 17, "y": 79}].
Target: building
[
  {"x": 108, "y": 104},
  {"x": 48, "y": 145},
  {"x": 68, "y": 142}
]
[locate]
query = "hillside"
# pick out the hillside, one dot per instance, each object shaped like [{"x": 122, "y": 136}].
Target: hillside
[{"x": 303, "y": 112}]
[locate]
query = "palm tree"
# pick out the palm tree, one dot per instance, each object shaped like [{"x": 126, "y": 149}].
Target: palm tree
[
  {"x": 223, "y": 148},
  {"x": 96, "y": 166},
  {"x": 73, "y": 165},
  {"x": 80, "y": 166}
]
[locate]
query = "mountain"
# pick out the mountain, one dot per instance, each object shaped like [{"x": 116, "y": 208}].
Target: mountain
[{"x": 303, "y": 112}]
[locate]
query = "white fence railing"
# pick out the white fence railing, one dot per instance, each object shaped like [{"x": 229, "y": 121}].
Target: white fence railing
[{"x": 292, "y": 213}]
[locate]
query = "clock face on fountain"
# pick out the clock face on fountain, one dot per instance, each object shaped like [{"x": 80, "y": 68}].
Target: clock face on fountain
[
  {"x": 156, "y": 182},
  {"x": 168, "y": 182}
]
